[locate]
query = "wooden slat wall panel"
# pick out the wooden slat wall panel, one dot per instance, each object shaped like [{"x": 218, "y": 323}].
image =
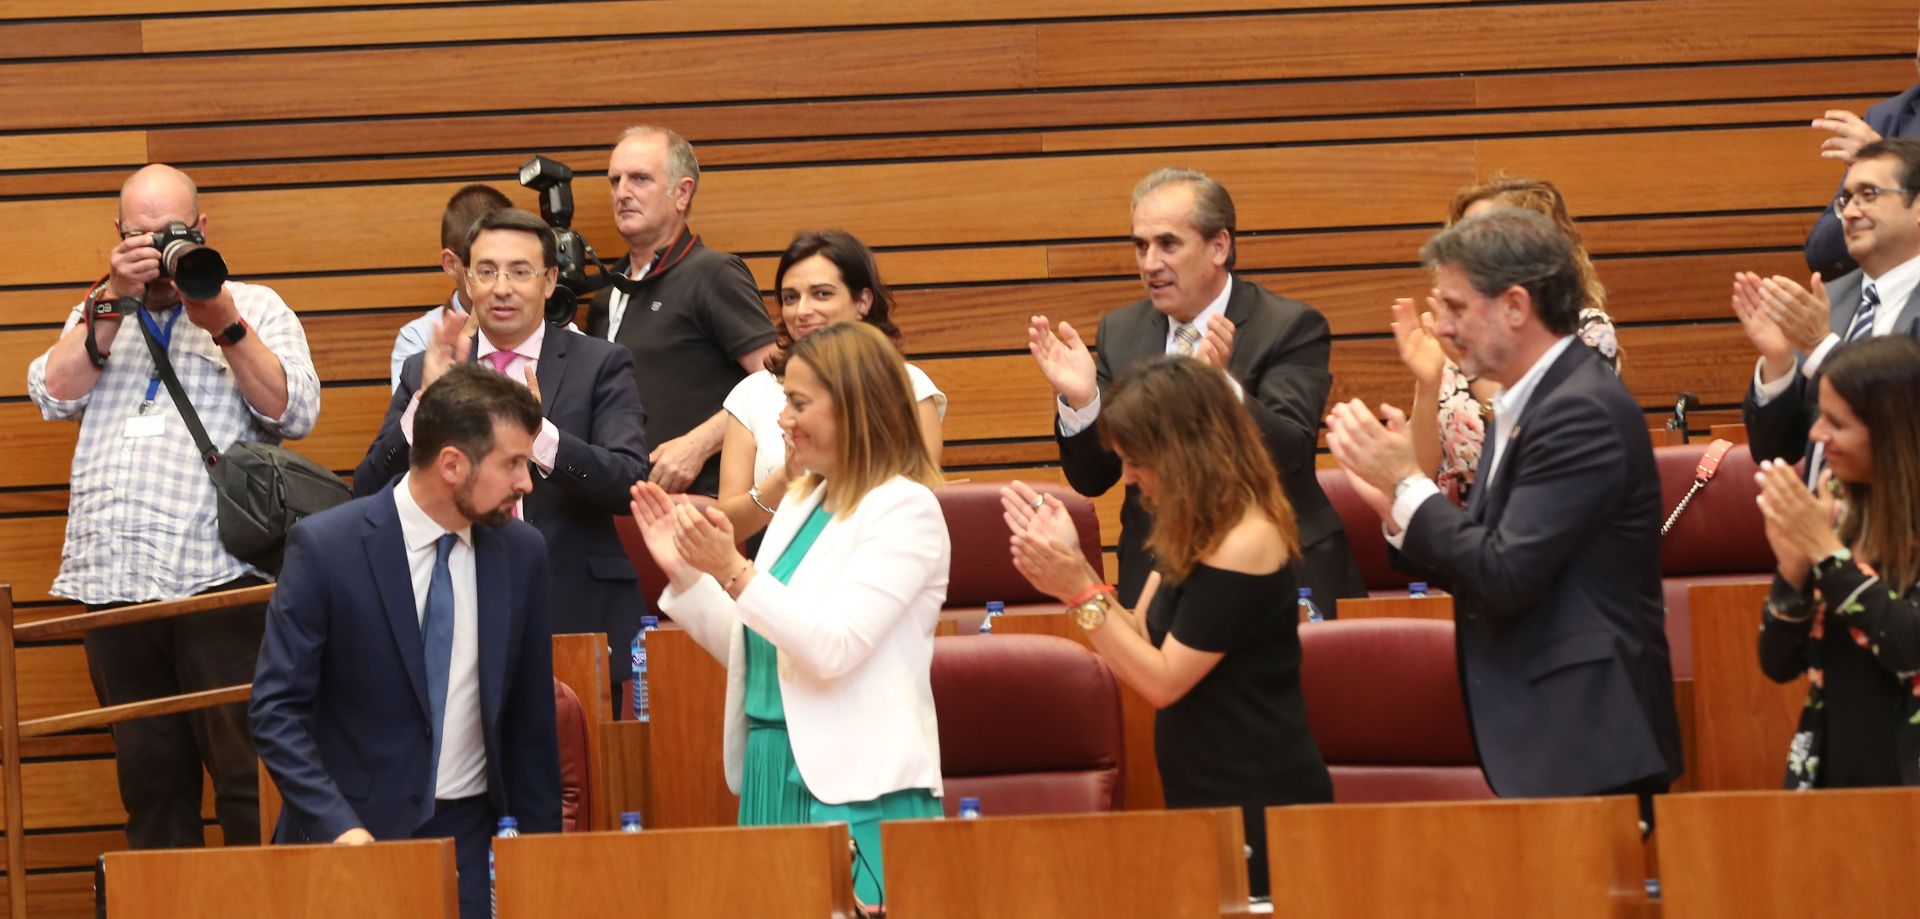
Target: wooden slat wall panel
[{"x": 986, "y": 150}]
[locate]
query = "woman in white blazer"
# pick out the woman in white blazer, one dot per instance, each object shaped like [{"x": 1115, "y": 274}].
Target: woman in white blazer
[{"x": 828, "y": 634}]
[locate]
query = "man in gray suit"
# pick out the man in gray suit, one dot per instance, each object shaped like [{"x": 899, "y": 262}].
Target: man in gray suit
[
  {"x": 1795, "y": 328},
  {"x": 1273, "y": 349}
]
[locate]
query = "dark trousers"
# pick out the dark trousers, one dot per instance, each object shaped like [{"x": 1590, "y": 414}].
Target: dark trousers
[
  {"x": 159, "y": 760},
  {"x": 469, "y": 822}
]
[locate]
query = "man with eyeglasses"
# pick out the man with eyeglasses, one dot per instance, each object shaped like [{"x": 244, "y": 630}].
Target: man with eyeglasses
[
  {"x": 1898, "y": 116},
  {"x": 142, "y": 512},
  {"x": 1795, "y": 328},
  {"x": 592, "y": 444}
]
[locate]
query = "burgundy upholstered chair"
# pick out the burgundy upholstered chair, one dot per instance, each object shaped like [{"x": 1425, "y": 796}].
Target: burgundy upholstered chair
[
  {"x": 1029, "y": 724},
  {"x": 576, "y": 792},
  {"x": 982, "y": 569},
  {"x": 1384, "y": 705},
  {"x": 1720, "y": 539},
  {"x": 1363, "y": 534}
]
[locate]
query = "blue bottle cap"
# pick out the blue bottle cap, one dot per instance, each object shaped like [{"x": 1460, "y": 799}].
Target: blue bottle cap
[
  {"x": 649, "y": 622},
  {"x": 969, "y": 804},
  {"x": 509, "y": 823},
  {"x": 1418, "y": 587},
  {"x": 629, "y": 816},
  {"x": 1306, "y": 593},
  {"x": 996, "y": 607}
]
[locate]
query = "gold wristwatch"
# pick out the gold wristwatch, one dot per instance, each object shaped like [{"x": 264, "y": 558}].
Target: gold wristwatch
[{"x": 1091, "y": 613}]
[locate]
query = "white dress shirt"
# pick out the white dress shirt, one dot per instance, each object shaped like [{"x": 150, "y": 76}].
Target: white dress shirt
[
  {"x": 1894, "y": 287},
  {"x": 1074, "y": 420},
  {"x": 462, "y": 770},
  {"x": 1508, "y": 405}
]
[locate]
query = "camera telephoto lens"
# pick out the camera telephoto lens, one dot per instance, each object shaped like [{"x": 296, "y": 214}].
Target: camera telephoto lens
[{"x": 197, "y": 270}]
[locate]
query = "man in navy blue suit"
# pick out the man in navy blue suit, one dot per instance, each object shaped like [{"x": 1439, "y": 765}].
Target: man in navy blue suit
[
  {"x": 405, "y": 685},
  {"x": 592, "y": 443},
  {"x": 1554, "y": 563}
]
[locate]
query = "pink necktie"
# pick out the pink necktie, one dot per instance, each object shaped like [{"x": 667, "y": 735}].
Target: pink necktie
[{"x": 501, "y": 359}]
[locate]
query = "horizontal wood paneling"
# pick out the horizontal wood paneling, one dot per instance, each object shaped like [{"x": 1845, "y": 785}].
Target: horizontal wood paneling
[{"x": 985, "y": 150}]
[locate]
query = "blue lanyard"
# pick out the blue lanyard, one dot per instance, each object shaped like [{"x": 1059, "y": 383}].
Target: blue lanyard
[{"x": 165, "y": 337}]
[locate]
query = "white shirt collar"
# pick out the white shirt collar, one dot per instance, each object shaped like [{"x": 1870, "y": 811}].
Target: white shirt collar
[
  {"x": 1510, "y": 401},
  {"x": 417, "y": 529},
  {"x": 1199, "y": 323}
]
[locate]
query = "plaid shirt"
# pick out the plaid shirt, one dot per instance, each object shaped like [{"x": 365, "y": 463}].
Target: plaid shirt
[{"x": 141, "y": 520}]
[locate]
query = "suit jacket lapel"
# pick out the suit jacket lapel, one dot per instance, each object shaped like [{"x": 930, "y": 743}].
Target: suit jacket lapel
[
  {"x": 553, "y": 365},
  {"x": 386, "y": 550},
  {"x": 1908, "y": 322},
  {"x": 1491, "y": 501},
  {"x": 493, "y": 606},
  {"x": 1843, "y": 300}
]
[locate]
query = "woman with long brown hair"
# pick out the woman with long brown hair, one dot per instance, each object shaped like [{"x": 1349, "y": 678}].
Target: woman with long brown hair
[
  {"x": 828, "y": 633},
  {"x": 824, "y": 277},
  {"x": 1845, "y": 608},
  {"x": 1213, "y": 643},
  {"x": 1450, "y": 408}
]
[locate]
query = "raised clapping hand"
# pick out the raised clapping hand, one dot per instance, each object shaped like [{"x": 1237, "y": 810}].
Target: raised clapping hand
[
  {"x": 1420, "y": 348},
  {"x": 1799, "y": 523},
  {"x": 1750, "y": 307},
  {"x": 1045, "y": 546},
  {"x": 1375, "y": 456},
  {"x": 1217, "y": 347},
  {"x": 654, "y": 512},
  {"x": 1802, "y": 315},
  {"x": 1064, "y": 360},
  {"x": 1850, "y": 133},
  {"x": 449, "y": 345}
]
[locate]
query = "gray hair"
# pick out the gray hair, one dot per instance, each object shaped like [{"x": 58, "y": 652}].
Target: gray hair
[
  {"x": 681, "y": 163},
  {"x": 1212, "y": 206},
  {"x": 1511, "y": 246}
]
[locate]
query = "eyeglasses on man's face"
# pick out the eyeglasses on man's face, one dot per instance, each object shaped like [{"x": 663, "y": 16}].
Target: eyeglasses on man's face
[
  {"x": 1865, "y": 195},
  {"x": 488, "y": 275}
]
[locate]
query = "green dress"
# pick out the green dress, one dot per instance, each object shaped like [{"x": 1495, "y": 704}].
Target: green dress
[{"x": 771, "y": 790}]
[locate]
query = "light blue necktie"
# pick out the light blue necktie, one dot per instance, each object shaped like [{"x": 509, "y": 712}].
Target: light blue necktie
[{"x": 436, "y": 633}]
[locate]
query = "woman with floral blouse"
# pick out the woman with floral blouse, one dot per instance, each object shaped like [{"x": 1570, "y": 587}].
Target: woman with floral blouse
[
  {"x": 1450, "y": 408},
  {"x": 1844, "y": 609}
]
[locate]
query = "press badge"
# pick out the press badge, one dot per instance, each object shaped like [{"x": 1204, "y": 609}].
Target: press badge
[{"x": 147, "y": 423}]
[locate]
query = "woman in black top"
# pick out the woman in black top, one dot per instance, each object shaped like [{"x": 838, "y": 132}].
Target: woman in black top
[
  {"x": 1844, "y": 608},
  {"x": 1214, "y": 649}
]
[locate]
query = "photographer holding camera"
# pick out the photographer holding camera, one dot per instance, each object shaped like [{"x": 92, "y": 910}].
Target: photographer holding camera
[{"x": 142, "y": 516}]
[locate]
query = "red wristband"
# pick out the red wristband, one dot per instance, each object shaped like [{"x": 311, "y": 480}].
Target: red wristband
[{"x": 1091, "y": 592}]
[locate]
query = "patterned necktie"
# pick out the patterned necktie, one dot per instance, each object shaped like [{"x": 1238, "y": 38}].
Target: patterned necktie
[
  {"x": 501, "y": 359},
  {"x": 1185, "y": 339},
  {"x": 436, "y": 633},
  {"x": 1862, "y": 326}
]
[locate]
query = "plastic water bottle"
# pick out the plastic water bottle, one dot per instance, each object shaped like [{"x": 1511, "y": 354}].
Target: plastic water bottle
[
  {"x": 508, "y": 827},
  {"x": 994, "y": 608},
  {"x": 642, "y": 709},
  {"x": 1308, "y": 611},
  {"x": 969, "y": 808},
  {"x": 629, "y": 821},
  {"x": 1417, "y": 590}
]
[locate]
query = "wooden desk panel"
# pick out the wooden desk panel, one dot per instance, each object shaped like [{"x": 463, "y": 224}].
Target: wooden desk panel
[
  {"x": 1743, "y": 721},
  {"x": 802, "y": 871},
  {"x": 1562, "y": 857},
  {"x": 687, "y": 692},
  {"x": 1434, "y": 606},
  {"x": 1792, "y": 855},
  {"x": 400, "y": 880},
  {"x": 1158, "y": 865}
]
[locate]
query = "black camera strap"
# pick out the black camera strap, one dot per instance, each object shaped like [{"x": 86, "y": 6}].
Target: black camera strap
[{"x": 164, "y": 367}]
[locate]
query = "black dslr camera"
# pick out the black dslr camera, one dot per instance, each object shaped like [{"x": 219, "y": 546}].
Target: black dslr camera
[
  {"x": 554, "y": 181},
  {"x": 197, "y": 270}
]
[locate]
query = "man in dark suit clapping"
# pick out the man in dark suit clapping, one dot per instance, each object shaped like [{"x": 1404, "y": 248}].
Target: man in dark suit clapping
[
  {"x": 1273, "y": 349},
  {"x": 1554, "y": 563}
]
